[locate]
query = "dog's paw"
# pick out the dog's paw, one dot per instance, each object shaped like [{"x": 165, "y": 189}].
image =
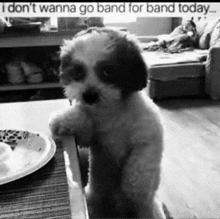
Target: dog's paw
[
  {"x": 58, "y": 125},
  {"x": 57, "y": 128}
]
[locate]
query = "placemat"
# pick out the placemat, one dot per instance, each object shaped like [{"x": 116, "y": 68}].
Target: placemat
[{"x": 43, "y": 194}]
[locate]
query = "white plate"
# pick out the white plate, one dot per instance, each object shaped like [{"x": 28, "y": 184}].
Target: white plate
[{"x": 30, "y": 152}]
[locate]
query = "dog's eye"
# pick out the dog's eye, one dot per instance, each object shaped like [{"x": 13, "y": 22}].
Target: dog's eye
[
  {"x": 108, "y": 71},
  {"x": 78, "y": 72}
]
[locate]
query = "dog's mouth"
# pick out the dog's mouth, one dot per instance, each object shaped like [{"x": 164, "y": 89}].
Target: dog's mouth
[{"x": 90, "y": 96}]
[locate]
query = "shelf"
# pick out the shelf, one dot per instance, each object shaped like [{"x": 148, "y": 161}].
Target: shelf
[
  {"x": 21, "y": 92},
  {"x": 12, "y": 87},
  {"x": 47, "y": 38}
]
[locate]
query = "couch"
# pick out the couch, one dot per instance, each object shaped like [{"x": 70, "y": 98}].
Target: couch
[{"x": 194, "y": 72}]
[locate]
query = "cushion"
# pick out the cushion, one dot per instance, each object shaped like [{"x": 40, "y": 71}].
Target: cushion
[
  {"x": 206, "y": 35},
  {"x": 212, "y": 73},
  {"x": 201, "y": 24},
  {"x": 217, "y": 43},
  {"x": 215, "y": 36},
  {"x": 175, "y": 71},
  {"x": 161, "y": 58}
]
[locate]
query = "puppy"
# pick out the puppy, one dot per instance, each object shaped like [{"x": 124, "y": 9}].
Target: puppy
[{"x": 103, "y": 72}]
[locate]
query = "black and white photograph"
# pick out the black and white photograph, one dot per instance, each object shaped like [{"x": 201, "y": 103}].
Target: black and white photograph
[{"x": 109, "y": 110}]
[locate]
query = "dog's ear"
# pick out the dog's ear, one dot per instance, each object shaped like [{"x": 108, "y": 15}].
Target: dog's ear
[{"x": 132, "y": 65}]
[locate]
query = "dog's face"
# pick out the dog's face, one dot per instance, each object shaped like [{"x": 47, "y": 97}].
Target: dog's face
[{"x": 101, "y": 66}]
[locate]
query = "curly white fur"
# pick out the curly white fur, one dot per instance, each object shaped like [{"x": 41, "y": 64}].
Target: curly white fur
[{"x": 124, "y": 134}]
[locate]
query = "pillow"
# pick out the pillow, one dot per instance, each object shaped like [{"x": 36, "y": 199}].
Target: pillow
[
  {"x": 200, "y": 25},
  {"x": 206, "y": 35},
  {"x": 215, "y": 36}
]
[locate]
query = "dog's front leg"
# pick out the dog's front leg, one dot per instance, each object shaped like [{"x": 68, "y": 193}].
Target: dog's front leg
[{"x": 72, "y": 121}]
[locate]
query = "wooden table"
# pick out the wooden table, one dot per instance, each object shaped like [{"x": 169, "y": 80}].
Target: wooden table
[{"x": 33, "y": 116}]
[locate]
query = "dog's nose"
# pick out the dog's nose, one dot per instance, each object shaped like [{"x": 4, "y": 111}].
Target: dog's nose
[{"x": 90, "y": 96}]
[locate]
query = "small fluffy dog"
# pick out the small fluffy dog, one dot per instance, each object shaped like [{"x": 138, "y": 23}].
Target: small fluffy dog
[{"x": 103, "y": 71}]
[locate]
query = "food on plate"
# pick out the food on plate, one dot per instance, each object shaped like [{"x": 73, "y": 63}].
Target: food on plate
[{"x": 5, "y": 151}]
